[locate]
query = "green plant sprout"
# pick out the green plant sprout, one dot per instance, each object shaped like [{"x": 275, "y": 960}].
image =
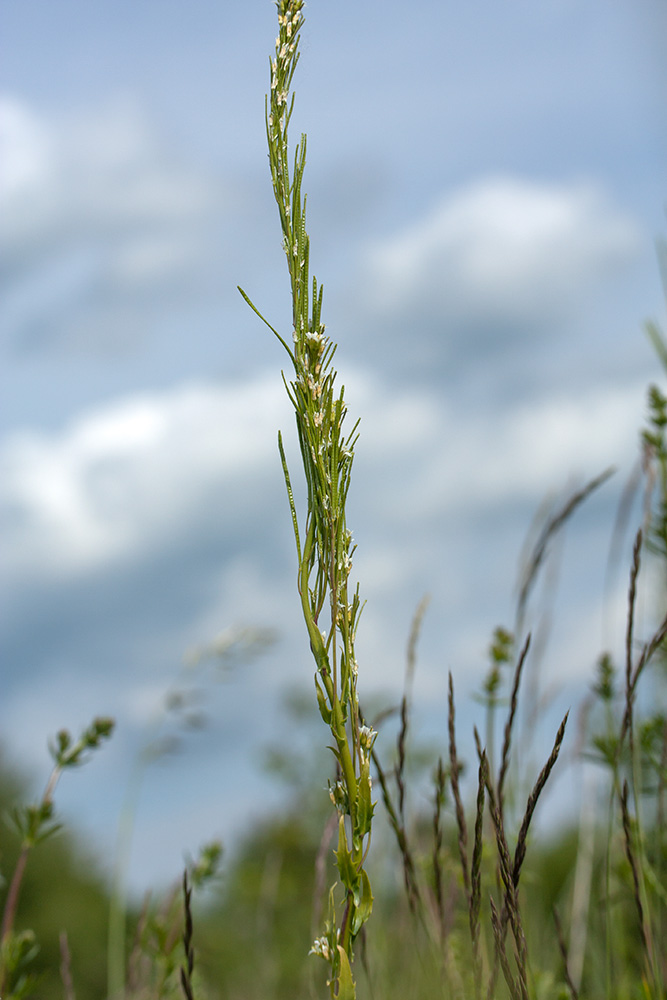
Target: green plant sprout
[
  {"x": 330, "y": 608},
  {"x": 34, "y": 824}
]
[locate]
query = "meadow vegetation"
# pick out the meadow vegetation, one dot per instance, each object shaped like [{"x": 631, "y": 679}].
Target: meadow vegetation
[{"x": 467, "y": 900}]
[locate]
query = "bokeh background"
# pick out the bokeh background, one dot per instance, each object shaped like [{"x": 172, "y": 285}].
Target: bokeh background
[{"x": 486, "y": 183}]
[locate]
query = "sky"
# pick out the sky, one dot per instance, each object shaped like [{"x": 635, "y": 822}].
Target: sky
[{"x": 486, "y": 184}]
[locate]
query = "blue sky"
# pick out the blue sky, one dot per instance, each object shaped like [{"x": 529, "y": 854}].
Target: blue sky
[{"x": 485, "y": 188}]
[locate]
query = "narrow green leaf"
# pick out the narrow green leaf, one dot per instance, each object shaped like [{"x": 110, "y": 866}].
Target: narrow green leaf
[
  {"x": 346, "y": 987},
  {"x": 264, "y": 320},
  {"x": 325, "y": 711},
  {"x": 344, "y": 861},
  {"x": 290, "y": 494},
  {"x": 363, "y": 898},
  {"x": 365, "y": 808}
]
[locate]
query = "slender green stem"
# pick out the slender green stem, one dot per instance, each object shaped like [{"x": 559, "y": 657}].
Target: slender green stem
[{"x": 330, "y": 609}]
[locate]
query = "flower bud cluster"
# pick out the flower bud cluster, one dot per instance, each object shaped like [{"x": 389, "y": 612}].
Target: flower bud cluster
[
  {"x": 339, "y": 798},
  {"x": 321, "y": 947},
  {"x": 290, "y": 20},
  {"x": 367, "y": 737}
]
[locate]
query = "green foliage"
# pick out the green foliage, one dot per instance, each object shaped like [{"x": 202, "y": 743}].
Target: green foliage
[
  {"x": 17, "y": 954},
  {"x": 34, "y": 825},
  {"x": 61, "y": 889}
]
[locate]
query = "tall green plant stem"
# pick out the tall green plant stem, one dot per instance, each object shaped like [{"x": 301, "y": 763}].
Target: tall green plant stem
[
  {"x": 35, "y": 823},
  {"x": 330, "y": 606}
]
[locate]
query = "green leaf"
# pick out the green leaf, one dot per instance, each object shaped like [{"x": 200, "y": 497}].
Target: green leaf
[
  {"x": 344, "y": 861},
  {"x": 290, "y": 495},
  {"x": 365, "y": 808},
  {"x": 264, "y": 320},
  {"x": 363, "y": 898},
  {"x": 325, "y": 711},
  {"x": 659, "y": 345},
  {"x": 346, "y": 987}
]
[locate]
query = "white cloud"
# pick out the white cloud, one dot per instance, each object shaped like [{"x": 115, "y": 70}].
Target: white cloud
[
  {"x": 132, "y": 475},
  {"x": 429, "y": 457},
  {"x": 530, "y": 450},
  {"x": 501, "y": 249},
  {"x": 26, "y": 151},
  {"x": 97, "y": 212}
]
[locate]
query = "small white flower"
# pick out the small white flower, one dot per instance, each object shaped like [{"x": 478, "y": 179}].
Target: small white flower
[
  {"x": 366, "y": 738},
  {"x": 321, "y": 947},
  {"x": 338, "y": 796}
]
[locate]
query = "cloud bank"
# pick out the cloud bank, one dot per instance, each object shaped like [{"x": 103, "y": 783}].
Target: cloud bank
[{"x": 101, "y": 221}]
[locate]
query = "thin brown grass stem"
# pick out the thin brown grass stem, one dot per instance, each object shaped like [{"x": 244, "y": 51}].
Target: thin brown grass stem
[
  {"x": 481, "y": 752},
  {"x": 648, "y": 649},
  {"x": 12, "y": 900},
  {"x": 501, "y": 953},
  {"x": 476, "y": 876},
  {"x": 440, "y": 778},
  {"x": 491, "y": 988},
  {"x": 409, "y": 873},
  {"x": 520, "y": 851},
  {"x": 455, "y": 768},
  {"x": 399, "y": 770},
  {"x": 632, "y": 861},
  {"x": 188, "y": 968},
  {"x": 552, "y": 526},
  {"x": 629, "y": 633},
  {"x": 504, "y": 762},
  {"x": 413, "y": 639},
  {"x": 511, "y": 901},
  {"x": 411, "y": 663},
  {"x": 562, "y": 947},
  {"x": 66, "y": 967}
]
